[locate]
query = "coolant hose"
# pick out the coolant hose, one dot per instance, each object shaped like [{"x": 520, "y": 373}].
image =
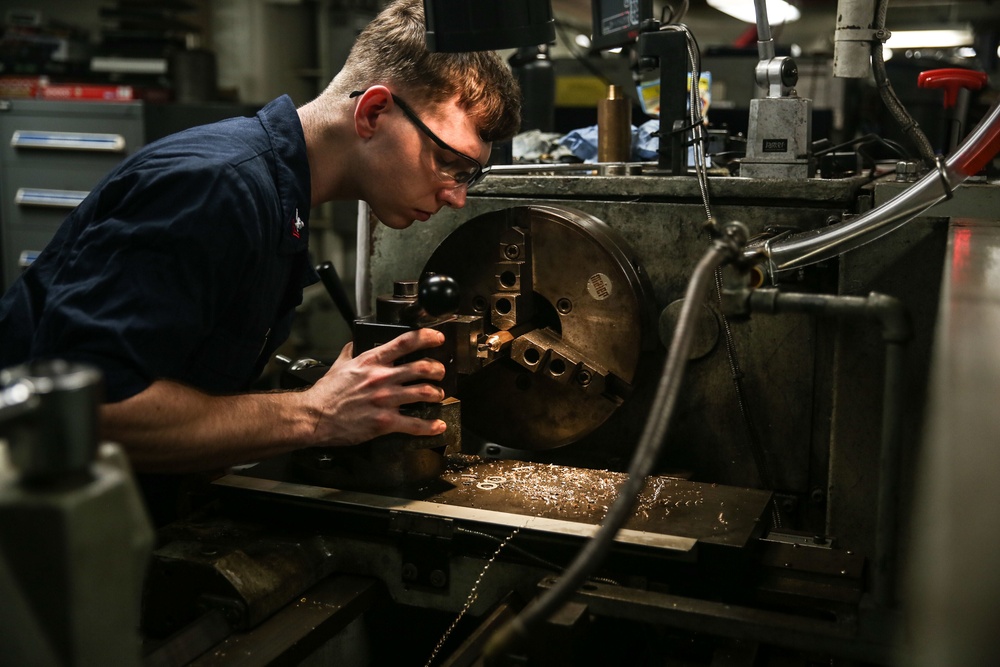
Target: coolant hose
[{"x": 971, "y": 156}]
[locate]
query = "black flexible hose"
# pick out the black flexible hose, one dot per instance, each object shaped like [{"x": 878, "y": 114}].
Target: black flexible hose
[
  {"x": 516, "y": 631},
  {"x": 906, "y": 122}
]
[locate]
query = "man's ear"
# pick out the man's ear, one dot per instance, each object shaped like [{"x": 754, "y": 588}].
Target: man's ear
[{"x": 368, "y": 113}]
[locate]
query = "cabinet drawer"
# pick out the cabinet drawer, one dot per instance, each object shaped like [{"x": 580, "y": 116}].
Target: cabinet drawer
[
  {"x": 85, "y": 142},
  {"x": 52, "y": 154},
  {"x": 59, "y": 163},
  {"x": 76, "y": 134},
  {"x": 22, "y": 244},
  {"x": 56, "y": 177},
  {"x": 65, "y": 200}
]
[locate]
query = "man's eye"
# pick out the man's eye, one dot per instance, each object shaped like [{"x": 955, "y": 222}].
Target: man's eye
[
  {"x": 456, "y": 169},
  {"x": 462, "y": 175},
  {"x": 451, "y": 165}
]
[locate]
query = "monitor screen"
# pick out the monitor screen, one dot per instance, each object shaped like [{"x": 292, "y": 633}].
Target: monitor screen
[
  {"x": 460, "y": 25},
  {"x": 616, "y": 22}
]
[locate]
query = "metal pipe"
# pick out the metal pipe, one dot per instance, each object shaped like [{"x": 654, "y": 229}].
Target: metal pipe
[
  {"x": 799, "y": 250},
  {"x": 852, "y": 41},
  {"x": 886, "y": 521},
  {"x": 363, "y": 265},
  {"x": 896, "y": 332},
  {"x": 765, "y": 45},
  {"x": 532, "y": 168}
]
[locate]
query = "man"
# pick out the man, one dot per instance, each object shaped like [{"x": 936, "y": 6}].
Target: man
[{"x": 178, "y": 276}]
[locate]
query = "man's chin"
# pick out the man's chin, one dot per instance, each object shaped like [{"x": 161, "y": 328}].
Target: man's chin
[
  {"x": 394, "y": 221},
  {"x": 399, "y": 223}
]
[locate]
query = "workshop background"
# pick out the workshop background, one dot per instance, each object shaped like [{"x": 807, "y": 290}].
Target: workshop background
[
  {"x": 194, "y": 61},
  {"x": 828, "y": 470}
]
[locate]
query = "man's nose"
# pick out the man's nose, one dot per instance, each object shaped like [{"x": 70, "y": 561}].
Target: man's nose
[{"x": 454, "y": 197}]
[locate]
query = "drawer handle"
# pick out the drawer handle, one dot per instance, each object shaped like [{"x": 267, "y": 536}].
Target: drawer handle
[
  {"x": 26, "y": 258},
  {"x": 75, "y": 141},
  {"x": 49, "y": 198}
]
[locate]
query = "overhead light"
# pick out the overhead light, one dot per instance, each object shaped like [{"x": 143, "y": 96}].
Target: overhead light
[
  {"x": 941, "y": 39},
  {"x": 778, "y": 11}
]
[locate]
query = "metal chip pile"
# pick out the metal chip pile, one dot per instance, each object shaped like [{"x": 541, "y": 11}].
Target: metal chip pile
[{"x": 539, "y": 487}]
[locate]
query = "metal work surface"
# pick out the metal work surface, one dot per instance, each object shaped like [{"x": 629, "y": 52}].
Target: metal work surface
[
  {"x": 953, "y": 580},
  {"x": 793, "y": 191},
  {"x": 668, "y": 506},
  {"x": 671, "y": 513}
]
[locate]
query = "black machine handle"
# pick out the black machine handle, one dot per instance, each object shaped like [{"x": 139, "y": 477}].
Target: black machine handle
[
  {"x": 335, "y": 288},
  {"x": 438, "y": 294},
  {"x": 419, "y": 303}
]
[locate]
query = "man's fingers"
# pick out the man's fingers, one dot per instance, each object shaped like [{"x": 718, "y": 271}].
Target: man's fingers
[
  {"x": 407, "y": 343},
  {"x": 421, "y": 369},
  {"x": 418, "y": 393},
  {"x": 417, "y": 426}
]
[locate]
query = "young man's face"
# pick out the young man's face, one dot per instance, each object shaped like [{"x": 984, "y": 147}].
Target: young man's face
[{"x": 436, "y": 151}]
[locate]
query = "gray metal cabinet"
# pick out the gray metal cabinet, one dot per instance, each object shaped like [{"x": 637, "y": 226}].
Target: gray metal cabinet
[{"x": 51, "y": 155}]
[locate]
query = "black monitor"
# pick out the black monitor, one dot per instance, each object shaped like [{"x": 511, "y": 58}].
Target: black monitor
[
  {"x": 467, "y": 25},
  {"x": 616, "y": 22}
]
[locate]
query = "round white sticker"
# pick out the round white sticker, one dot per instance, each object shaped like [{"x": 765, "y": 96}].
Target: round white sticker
[{"x": 599, "y": 286}]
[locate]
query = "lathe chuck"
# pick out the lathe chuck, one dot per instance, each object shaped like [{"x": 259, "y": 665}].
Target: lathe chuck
[{"x": 577, "y": 307}]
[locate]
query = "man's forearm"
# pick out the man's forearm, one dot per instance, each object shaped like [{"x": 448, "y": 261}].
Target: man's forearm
[
  {"x": 170, "y": 427},
  {"x": 173, "y": 428}
]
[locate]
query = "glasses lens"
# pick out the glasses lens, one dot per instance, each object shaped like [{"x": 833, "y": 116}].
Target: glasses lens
[
  {"x": 462, "y": 173},
  {"x": 463, "y": 170},
  {"x": 478, "y": 176}
]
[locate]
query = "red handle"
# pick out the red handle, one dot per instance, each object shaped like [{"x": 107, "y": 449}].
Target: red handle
[{"x": 951, "y": 79}]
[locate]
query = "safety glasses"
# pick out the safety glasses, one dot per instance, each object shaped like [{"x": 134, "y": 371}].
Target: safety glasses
[{"x": 465, "y": 170}]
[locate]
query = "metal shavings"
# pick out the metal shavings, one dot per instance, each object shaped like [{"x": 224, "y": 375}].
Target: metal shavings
[
  {"x": 574, "y": 491},
  {"x": 473, "y": 595}
]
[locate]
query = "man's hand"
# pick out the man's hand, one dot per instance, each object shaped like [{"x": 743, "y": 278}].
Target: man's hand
[
  {"x": 170, "y": 427},
  {"x": 359, "y": 398}
]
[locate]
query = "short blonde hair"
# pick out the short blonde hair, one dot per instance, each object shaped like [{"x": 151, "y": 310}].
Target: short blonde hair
[{"x": 392, "y": 51}]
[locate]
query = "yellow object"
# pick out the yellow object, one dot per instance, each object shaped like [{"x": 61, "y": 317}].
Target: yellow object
[
  {"x": 579, "y": 91},
  {"x": 649, "y": 94}
]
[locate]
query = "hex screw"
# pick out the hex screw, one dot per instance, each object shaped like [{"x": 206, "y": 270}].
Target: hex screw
[
  {"x": 583, "y": 378},
  {"x": 789, "y": 505},
  {"x": 564, "y": 305},
  {"x": 410, "y": 572},
  {"x": 438, "y": 579},
  {"x": 511, "y": 251}
]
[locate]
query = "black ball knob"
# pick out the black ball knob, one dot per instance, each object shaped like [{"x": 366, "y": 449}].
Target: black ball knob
[
  {"x": 438, "y": 294},
  {"x": 789, "y": 72}
]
